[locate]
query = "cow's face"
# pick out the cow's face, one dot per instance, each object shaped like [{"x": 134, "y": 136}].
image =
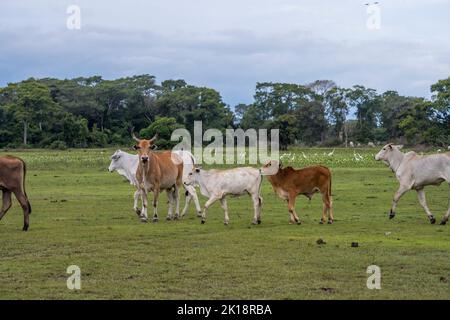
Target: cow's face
[
  {"x": 386, "y": 152},
  {"x": 144, "y": 148},
  {"x": 115, "y": 160},
  {"x": 270, "y": 168},
  {"x": 193, "y": 177}
]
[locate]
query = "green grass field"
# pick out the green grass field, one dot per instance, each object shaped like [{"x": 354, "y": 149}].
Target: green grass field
[{"x": 82, "y": 215}]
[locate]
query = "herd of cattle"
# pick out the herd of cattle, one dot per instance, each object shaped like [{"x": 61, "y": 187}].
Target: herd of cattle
[{"x": 154, "y": 172}]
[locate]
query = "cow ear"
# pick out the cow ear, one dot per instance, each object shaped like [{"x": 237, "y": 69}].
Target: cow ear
[
  {"x": 154, "y": 147},
  {"x": 136, "y": 147},
  {"x": 399, "y": 146},
  {"x": 390, "y": 146}
]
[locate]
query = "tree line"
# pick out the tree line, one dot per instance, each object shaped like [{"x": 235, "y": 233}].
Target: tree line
[{"x": 95, "y": 112}]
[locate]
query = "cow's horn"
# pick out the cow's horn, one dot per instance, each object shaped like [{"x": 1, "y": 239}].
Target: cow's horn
[
  {"x": 154, "y": 138},
  {"x": 133, "y": 135}
]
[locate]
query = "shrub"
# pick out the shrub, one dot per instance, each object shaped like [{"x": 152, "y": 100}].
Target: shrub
[{"x": 58, "y": 145}]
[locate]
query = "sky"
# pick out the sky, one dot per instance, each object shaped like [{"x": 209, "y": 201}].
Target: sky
[{"x": 229, "y": 45}]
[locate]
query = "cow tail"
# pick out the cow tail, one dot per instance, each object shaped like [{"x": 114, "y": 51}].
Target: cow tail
[
  {"x": 23, "y": 184},
  {"x": 259, "y": 191}
]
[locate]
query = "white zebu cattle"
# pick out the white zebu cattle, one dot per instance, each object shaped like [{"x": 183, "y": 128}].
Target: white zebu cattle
[
  {"x": 217, "y": 184},
  {"x": 126, "y": 165},
  {"x": 415, "y": 172}
]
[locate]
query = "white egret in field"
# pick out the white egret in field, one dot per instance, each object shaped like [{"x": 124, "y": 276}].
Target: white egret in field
[{"x": 331, "y": 153}]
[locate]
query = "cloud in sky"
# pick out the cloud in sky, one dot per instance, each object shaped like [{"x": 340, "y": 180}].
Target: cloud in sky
[{"x": 230, "y": 45}]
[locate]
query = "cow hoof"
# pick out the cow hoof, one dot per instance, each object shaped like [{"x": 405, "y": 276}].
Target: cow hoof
[
  {"x": 177, "y": 217},
  {"x": 25, "y": 228},
  {"x": 138, "y": 212},
  {"x": 391, "y": 215},
  {"x": 169, "y": 218},
  {"x": 330, "y": 222},
  {"x": 321, "y": 222},
  {"x": 443, "y": 223},
  {"x": 155, "y": 220},
  {"x": 432, "y": 220},
  {"x": 259, "y": 221},
  {"x": 203, "y": 221},
  {"x": 225, "y": 223},
  {"x": 199, "y": 214}
]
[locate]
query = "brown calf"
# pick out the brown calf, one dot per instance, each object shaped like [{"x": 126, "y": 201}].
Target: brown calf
[
  {"x": 288, "y": 183},
  {"x": 12, "y": 180},
  {"x": 157, "y": 172}
]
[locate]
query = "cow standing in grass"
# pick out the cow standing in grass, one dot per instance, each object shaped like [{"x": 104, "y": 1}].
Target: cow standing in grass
[
  {"x": 288, "y": 183},
  {"x": 416, "y": 172},
  {"x": 157, "y": 172},
  {"x": 126, "y": 165},
  {"x": 12, "y": 180},
  {"x": 217, "y": 184}
]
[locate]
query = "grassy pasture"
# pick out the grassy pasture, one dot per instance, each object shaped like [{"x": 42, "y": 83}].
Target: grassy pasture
[{"x": 82, "y": 215}]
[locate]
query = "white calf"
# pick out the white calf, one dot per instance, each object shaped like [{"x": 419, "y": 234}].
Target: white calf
[
  {"x": 217, "y": 184},
  {"x": 126, "y": 165},
  {"x": 415, "y": 172}
]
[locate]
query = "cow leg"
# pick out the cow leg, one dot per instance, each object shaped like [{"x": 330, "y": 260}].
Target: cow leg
[
  {"x": 25, "y": 207},
  {"x": 176, "y": 195},
  {"x": 326, "y": 199},
  {"x": 191, "y": 194},
  {"x": 330, "y": 212},
  {"x": 136, "y": 200},
  {"x": 6, "y": 203},
  {"x": 187, "y": 201},
  {"x": 400, "y": 192},
  {"x": 207, "y": 205},
  {"x": 257, "y": 209},
  {"x": 171, "y": 199},
  {"x": 445, "y": 218},
  {"x": 423, "y": 203},
  {"x": 223, "y": 203},
  {"x": 194, "y": 196},
  {"x": 291, "y": 207},
  {"x": 143, "y": 215},
  {"x": 155, "y": 203}
]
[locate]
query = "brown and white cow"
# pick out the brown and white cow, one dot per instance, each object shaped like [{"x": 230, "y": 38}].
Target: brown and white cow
[
  {"x": 158, "y": 171},
  {"x": 288, "y": 183},
  {"x": 12, "y": 180}
]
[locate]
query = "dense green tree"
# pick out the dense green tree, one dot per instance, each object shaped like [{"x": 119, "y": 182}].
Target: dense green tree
[
  {"x": 32, "y": 105},
  {"x": 163, "y": 127},
  {"x": 188, "y": 103},
  {"x": 287, "y": 124},
  {"x": 366, "y": 103},
  {"x": 337, "y": 110},
  {"x": 92, "y": 111}
]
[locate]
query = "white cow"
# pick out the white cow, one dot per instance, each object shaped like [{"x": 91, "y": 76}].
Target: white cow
[
  {"x": 414, "y": 171},
  {"x": 217, "y": 184},
  {"x": 126, "y": 165}
]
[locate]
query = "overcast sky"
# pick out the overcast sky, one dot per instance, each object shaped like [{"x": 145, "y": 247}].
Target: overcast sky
[{"x": 230, "y": 45}]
